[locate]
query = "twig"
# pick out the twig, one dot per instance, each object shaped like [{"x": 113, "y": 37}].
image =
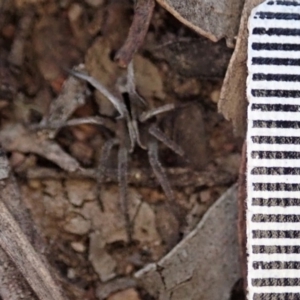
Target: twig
[
  {"x": 18, "y": 138},
  {"x": 180, "y": 177},
  {"x": 142, "y": 16}
]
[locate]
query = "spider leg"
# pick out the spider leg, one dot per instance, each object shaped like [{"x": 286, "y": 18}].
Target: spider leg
[
  {"x": 122, "y": 178},
  {"x": 117, "y": 103},
  {"x": 162, "y": 178},
  {"x": 136, "y": 127},
  {"x": 101, "y": 169},
  {"x": 135, "y": 102},
  {"x": 153, "y": 112},
  {"x": 158, "y": 169},
  {"x": 132, "y": 134},
  {"x": 162, "y": 137},
  {"x": 131, "y": 86}
]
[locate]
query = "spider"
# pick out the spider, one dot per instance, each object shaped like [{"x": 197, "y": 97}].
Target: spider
[{"x": 134, "y": 126}]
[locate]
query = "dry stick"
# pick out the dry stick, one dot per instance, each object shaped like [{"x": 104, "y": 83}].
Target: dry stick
[
  {"x": 14, "y": 242},
  {"x": 21, "y": 252},
  {"x": 142, "y": 16},
  {"x": 13, "y": 285},
  {"x": 16, "y": 245}
]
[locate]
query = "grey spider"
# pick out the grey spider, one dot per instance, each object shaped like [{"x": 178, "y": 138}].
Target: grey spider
[{"x": 135, "y": 126}]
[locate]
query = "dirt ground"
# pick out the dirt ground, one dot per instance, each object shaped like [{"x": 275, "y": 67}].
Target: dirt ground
[{"x": 75, "y": 201}]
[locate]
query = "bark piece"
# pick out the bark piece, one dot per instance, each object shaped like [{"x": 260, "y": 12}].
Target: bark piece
[
  {"x": 233, "y": 101},
  {"x": 213, "y": 19},
  {"x": 205, "y": 264}
]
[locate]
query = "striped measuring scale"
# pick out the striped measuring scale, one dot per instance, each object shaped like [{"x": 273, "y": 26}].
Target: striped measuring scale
[{"x": 273, "y": 151}]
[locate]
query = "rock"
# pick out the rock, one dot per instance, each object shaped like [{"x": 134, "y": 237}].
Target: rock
[
  {"x": 167, "y": 226},
  {"x": 103, "y": 264},
  {"x": 77, "y": 225},
  {"x": 53, "y": 51},
  {"x": 79, "y": 191},
  {"x": 111, "y": 222},
  {"x": 145, "y": 225},
  {"x": 148, "y": 79}
]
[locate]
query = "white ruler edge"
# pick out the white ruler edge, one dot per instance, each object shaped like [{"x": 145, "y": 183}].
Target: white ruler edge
[{"x": 262, "y": 281}]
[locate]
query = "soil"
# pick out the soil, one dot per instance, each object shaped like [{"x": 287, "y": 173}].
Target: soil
[{"x": 90, "y": 246}]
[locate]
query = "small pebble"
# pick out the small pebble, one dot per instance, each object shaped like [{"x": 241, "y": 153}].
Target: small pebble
[
  {"x": 215, "y": 96},
  {"x": 78, "y": 247},
  {"x": 71, "y": 273},
  {"x": 35, "y": 184},
  {"x": 95, "y": 3},
  {"x": 129, "y": 294}
]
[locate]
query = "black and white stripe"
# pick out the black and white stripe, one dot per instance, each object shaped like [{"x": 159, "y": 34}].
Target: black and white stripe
[{"x": 273, "y": 154}]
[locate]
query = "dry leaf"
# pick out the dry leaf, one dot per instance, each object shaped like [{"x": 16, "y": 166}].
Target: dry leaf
[
  {"x": 204, "y": 265},
  {"x": 233, "y": 103},
  {"x": 214, "y": 19}
]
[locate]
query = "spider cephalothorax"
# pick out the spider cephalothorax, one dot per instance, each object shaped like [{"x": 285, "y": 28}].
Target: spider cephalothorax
[{"x": 135, "y": 126}]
